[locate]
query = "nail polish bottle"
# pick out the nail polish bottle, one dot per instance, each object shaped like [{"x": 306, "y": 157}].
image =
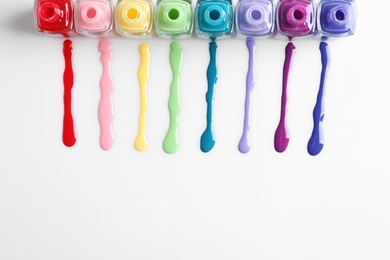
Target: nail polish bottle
[
  {"x": 134, "y": 18},
  {"x": 174, "y": 19},
  {"x": 214, "y": 18},
  {"x": 295, "y": 19},
  {"x": 54, "y": 17},
  {"x": 254, "y": 18},
  {"x": 95, "y": 18},
  {"x": 336, "y": 18}
]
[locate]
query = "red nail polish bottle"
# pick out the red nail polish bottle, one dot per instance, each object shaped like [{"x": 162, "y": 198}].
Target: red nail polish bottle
[{"x": 54, "y": 17}]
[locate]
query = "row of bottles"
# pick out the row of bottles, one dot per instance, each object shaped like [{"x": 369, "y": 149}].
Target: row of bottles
[
  {"x": 174, "y": 19},
  {"x": 212, "y": 20}
]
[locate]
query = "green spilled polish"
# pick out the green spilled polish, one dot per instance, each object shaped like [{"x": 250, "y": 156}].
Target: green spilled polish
[{"x": 171, "y": 140}]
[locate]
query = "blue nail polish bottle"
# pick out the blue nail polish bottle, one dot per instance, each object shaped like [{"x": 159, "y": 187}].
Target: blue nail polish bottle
[{"x": 336, "y": 18}]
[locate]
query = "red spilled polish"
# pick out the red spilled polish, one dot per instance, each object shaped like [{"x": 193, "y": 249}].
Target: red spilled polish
[{"x": 68, "y": 136}]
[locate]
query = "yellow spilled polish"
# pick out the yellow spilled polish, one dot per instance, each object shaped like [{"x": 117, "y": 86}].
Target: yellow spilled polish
[{"x": 140, "y": 142}]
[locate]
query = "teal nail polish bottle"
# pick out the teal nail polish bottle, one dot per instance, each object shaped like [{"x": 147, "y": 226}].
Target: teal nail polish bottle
[{"x": 214, "y": 18}]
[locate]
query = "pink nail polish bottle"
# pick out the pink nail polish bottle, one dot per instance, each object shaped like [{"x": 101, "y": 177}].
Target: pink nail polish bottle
[
  {"x": 95, "y": 18},
  {"x": 54, "y": 17}
]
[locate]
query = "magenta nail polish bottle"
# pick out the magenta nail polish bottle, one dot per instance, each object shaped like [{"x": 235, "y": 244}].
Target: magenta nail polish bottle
[
  {"x": 295, "y": 19},
  {"x": 54, "y": 17},
  {"x": 95, "y": 18}
]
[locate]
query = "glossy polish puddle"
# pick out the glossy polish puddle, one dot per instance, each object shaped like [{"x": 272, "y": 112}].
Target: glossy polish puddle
[
  {"x": 105, "y": 108},
  {"x": 254, "y": 19},
  {"x": 174, "y": 21},
  {"x": 335, "y": 19},
  {"x": 214, "y": 20},
  {"x": 207, "y": 140},
  {"x": 68, "y": 136},
  {"x": 171, "y": 140},
  {"x": 296, "y": 19},
  {"x": 281, "y": 134},
  {"x": 243, "y": 145},
  {"x": 141, "y": 143},
  {"x": 316, "y": 141}
]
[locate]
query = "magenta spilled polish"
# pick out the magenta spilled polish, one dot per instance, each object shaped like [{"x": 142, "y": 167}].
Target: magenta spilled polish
[{"x": 294, "y": 19}]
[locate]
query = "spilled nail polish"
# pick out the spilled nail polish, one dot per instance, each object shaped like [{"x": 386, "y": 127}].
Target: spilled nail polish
[
  {"x": 282, "y": 136},
  {"x": 171, "y": 140},
  {"x": 316, "y": 141},
  {"x": 335, "y": 19},
  {"x": 295, "y": 19},
  {"x": 68, "y": 136},
  {"x": 254, "y": 19},
  {"x": 106, "y": 108},
  {"x": 213, "y": 20},
  {"x": 140, "y": 143}
]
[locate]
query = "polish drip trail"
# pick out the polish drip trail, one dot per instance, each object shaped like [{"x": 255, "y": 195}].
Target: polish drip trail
[
  {"x": 316, "y": 141},
  {"x": 281, "y": 134},
  {"x": 140, "y": 142},
  {"x": 68, "y": 136},
  {"x": 106, "y": 109},
  {"x": 243, "y": 145},
  {"x": 207, "y": 140},
  {"x": 171, "y": 140}
]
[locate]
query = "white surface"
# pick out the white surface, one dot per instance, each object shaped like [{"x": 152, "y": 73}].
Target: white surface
[{"x": 84, "y": 203}]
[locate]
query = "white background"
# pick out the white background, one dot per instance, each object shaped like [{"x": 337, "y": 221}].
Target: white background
[{"x": 86, "y": 203}]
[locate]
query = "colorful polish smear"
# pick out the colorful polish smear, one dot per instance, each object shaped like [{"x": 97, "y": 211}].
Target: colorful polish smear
[
  {"x": 68, "y": 136},
  {"x": 174, "y": 19},
  {"x": 140, "y": 142},
  {"x": 95, "y": 18},
  {"x": 316, "y": 141},
  {"x": 106, "y": 108},
  {"x": 254, "y": 20},
  {"x": 171, "y": 140},
  {"x": 282, "y": 136},
  {"x": 134, "y": 18},
  {"x": 294, "y": 19},
  {"x": 336, "y": 18},
  {"x": 54, "y": 17},
  {"x": 213, "y": 20}
]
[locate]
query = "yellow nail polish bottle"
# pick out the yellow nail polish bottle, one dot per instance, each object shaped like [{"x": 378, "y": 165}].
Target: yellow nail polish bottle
[{"x": 134, "y": 18}]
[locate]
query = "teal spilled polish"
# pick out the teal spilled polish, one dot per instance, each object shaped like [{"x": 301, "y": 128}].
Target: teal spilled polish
[{"x": 207, "y": 141}]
